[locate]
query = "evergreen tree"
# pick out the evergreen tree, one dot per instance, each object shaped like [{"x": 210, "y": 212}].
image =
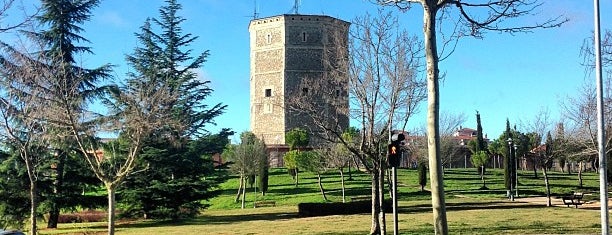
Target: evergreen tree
[
  {"x": 263, "y": 174},
  {"x": 67, "y": 86},
  {"x": 175, "y": 182},
  {"x": 422, "y": 168},
  {"x": 481, "y": 144},
  {"x": 507, "y": 158},
  {"x": 163, "y": 59},
  {"x": 297, "y": 138},
  {"x": 63, "y": 17},
  {"x": 68, "y": 176},
  {"x": 14, "y": 201}
]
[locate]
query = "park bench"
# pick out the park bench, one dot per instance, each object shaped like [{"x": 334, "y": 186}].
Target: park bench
[
  {"x": 265, "y": 203},
  {"x": 361, "y": 198},
  {"x": 574, "y": 199}
]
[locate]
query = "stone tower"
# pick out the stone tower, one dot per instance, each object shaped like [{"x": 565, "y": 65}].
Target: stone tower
[{"x": 287, "y": 50}]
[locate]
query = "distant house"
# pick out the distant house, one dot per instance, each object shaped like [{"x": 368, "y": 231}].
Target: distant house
[{"x": 460, "y": 157}]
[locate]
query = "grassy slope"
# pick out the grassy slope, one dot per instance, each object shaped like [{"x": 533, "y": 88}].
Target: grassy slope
[{"x": 470, "y": 210}]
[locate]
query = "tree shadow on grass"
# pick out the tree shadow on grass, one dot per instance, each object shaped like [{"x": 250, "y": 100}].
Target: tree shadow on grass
[
  {"x": 209, "y": 220},
  {"x": 464, "y": 206}
]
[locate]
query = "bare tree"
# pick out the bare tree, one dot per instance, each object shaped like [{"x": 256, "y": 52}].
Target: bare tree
[
  {"x": 23, "y": 115},
  {"x": 541, "y": 126},
  {"x": 54, "y": 103},
  {"x": 449, "y": 145},
  {"x": 336, "y": 156},
  {"x": 8, "y": 7},
  {"x": 383, "y": 82},
  {"x": 471, "y": 18},
  {"x": 581, "y": 113}
]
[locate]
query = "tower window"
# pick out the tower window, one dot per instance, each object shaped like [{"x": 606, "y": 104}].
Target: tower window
[
  {"x": 268, "y": 92},
  {"x": 304, "y": 36},
  {"x": 269, "y": 38}
]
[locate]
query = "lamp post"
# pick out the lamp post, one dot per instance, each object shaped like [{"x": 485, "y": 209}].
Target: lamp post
[
  {"x": 510, "y": 168},
  {"x": 603, "y": 177},
  {"x": 515, "y": 172}
]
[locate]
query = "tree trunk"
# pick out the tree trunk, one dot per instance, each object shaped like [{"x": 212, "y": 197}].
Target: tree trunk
[
  {"x": 381, "y": 197},
  {"x": 342, "y": 184},
  {"x": 433, "y": 118},
  {"x": 548, "y": 202},
  {"x": 482, "y": 177},
  {"x": 244, "y": 179},
  {"x": 375, "y": 228},
  {"x": 110, "y": 189},
  {"x": 535, "y": 170},
  {"x": 33, "y": 206},
  {"x": 33, "y": 190},
  {"x": 239, "y": 189},
  {"x": 349, "y": 170},
  {"x": 255, "y": 192},
  {"x": 57, "y": 191},
  {"x": 321, "y": 187},
  {"x": 580, "y": 175},
  {"x": 297, "y": 177}
]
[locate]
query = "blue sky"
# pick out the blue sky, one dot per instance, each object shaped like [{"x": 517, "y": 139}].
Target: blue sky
[{"x": 502, "y": 76}]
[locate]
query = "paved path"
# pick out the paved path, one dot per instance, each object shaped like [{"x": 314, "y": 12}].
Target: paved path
[{"x": 559, "y": 202}]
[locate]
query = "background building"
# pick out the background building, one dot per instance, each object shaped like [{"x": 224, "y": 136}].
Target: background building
[{"x": 288, "y": 52}]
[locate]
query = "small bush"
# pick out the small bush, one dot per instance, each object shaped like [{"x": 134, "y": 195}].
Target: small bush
[{"x": 339, "y": 208}]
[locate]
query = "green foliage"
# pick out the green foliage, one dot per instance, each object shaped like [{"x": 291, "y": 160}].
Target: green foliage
[
  {"x": 263, "y": 174},
  {"x": 14, "y": 200},
  {"x": 422, "y": 169},
  {"x": 263, "y": 177},
  {"x": 496, "y": 147},
  {"x": 480, "y": 158},
  {"x": 246, "y": 157},
  {"x": 68, "y": 176},
  {"x": 472, "y": 146},
  {"x": 179, "y": 171},
  {"x": 291, "y": 159},
  {"x": 481, "y": 145},
  {"x": 297, "y": 138},
  {"x": 310, "y": 161},
  {"x": 175, "y": 179}
]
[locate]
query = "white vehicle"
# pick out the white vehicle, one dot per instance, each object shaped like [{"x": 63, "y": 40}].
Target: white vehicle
[{"x": 14, "y": 232}]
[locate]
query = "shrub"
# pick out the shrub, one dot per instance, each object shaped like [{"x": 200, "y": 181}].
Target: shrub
[
  {"x": 339, "y": 208},
  {"x": 83, "y": 217}
]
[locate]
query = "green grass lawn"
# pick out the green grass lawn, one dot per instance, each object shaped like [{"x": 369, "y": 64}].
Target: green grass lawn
[{"x": 470, "y": 210}]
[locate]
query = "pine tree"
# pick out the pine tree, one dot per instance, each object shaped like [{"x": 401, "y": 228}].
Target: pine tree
[
  {"x": 14, "y": 208},
  {"x": 163, "y": 60},
  {"x": 62, "y": 19},
  {"x": 58, "y": 84}
]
